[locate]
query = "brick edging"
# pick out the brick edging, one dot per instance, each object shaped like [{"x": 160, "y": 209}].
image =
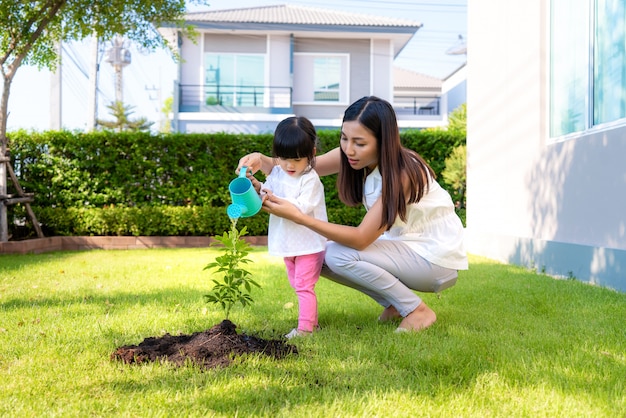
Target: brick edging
[{"x": 43, "y": 245}]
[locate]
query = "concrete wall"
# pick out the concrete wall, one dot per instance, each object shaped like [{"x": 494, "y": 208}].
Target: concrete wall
[
  {"x": 44, "y": 245},
  {"x": 555, "y": 206}
]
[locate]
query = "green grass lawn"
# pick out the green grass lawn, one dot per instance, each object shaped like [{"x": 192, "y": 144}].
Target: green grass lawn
[{"x": 508, "y": 343}]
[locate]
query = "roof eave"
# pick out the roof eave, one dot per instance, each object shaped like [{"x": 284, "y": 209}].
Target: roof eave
[{"x": 303, "y": 27}]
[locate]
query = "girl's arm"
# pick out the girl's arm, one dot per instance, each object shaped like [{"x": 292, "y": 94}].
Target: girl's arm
[
  {"x": 325, "y": 164},
  {"x": 357, "y": 237},
  {"x": 255, "y": 162}
]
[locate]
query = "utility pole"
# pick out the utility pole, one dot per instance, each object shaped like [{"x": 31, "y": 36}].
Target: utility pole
[
  {"x": 56, "y": 91},
  {"x": 92, "y": 105},
  {"x": 119, "y": 57},
  {"x": 158, "y": 100}
]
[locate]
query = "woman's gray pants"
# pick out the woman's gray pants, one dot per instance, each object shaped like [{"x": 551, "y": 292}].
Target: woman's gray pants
[{"x": 387, "y": 271}]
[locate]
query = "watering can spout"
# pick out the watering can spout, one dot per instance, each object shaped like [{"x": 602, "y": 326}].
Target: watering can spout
[{"x": 235, "y": 211}]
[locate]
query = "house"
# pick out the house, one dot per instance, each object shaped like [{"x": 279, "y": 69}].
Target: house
[
  {"x": 417, "y": 99},
  {"x": 252, "y": 67},
  {"x": 546, "y": 137}
]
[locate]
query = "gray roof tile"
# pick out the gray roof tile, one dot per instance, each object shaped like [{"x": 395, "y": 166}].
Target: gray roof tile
[
  {"x": 290, "y": 14},
  {"x": 404, "y": 78}
]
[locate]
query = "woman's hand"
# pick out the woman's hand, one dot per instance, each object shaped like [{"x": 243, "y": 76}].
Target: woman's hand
[{"x": 280, "y": 207}]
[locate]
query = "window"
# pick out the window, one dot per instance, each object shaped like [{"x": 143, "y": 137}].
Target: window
[
  {"x": 234, "y": 79},
  {"x": 609, "y": 71},
  {"x": 326, "y": 79},
  {"x": 320, "y": 78},
  {"x": 587, "y": 64},
  {"x": 569, "y": 63}
]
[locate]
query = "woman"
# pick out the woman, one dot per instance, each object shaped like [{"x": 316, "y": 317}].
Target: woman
[{"x": 410, "y": 238}]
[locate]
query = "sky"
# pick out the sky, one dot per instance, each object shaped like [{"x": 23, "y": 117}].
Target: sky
[{"x": 149, "y": 79}]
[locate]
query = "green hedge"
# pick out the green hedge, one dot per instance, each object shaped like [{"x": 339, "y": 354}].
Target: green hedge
[
  {"x": 107, "y": 183},
  {"x": 162, "y": 221},
  {"x": 98, "y": 169}
]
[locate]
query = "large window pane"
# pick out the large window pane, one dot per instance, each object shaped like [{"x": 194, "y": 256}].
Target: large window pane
[
  {"x": 234, "y": 79},
  {"x": 250, "y": 80},
  {"x": 320, "y": 78},
  {"x": 326, "y": 79},
  {"x": 569, "y": 61},
  {"x": 219, "y": 70},
  {"x": 609, "y": 92}
]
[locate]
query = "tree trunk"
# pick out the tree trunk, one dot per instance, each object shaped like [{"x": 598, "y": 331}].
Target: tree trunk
[
  {"x": 9, "y": 63},
  {"x": 4, "y": 106},
  {"x": 4, "y": 224}
]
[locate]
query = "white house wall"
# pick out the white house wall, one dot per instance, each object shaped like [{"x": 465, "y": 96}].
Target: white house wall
[
  {"x": 558, "y": 207},
  {"x": 279, "y": 48},
  {"x": 190, "y": 73},
  {"x": 454, "y": 90},
  {"x": 454, "y": 97},
  {"x": 246, "y": 44},
  {"x": 382, "y": 69}
]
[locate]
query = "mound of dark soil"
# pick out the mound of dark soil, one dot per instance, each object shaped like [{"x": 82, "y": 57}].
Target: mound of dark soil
[{"x": 213, "y": 348}]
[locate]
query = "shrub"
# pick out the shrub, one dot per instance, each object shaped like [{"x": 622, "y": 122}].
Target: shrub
[
  {"x": 106, "y": 183},
  {"x": 455, "y": 175}
]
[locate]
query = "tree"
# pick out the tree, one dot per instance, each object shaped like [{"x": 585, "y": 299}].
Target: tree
[
  {"x": 166, "y": 123},
  {"x": 122, "y": 121},
  {"x": 457, "y": 119},
  {"x": 32, "y": 29},
  {"x": 455, "y": 174}
]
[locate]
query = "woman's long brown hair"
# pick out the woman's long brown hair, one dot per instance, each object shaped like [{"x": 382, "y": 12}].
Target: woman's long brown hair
[{"x": 394, "y": 161}]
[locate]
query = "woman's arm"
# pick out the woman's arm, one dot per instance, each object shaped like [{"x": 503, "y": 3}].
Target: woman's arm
[
  {"x": 357, "y": 237},
  {"x": 325, "y": 164},
  {"x": 328, "y": 163}
]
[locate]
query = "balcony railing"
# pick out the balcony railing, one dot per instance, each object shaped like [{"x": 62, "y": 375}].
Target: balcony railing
[
  {"x": 208, "y": 98},
  {"x": 416, "y": 105},
  {"x": 270, "y": 99}
]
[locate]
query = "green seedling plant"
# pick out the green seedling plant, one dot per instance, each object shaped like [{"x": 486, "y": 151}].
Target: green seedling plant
[{"x": 236, "y": 283}]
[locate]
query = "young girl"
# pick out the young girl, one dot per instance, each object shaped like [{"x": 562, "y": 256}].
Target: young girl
[
  {"x": 295, "y": 181},
  {"x": 410, "y": 238}
]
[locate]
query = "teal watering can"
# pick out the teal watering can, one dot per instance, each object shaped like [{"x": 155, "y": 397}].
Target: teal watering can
[{"x": 246, "y": 201}]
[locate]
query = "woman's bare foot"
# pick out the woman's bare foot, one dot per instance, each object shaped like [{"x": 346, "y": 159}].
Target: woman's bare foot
[
  {"x": 422, "y": 317},
  {"x": 389, "y": 314}
]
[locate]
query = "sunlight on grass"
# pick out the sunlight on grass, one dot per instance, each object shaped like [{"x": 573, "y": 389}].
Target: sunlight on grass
[{"x": 508, "y": 342}]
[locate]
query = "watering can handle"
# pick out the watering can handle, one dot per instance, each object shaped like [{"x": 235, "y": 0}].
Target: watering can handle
[{"x": 242, "y": 171}]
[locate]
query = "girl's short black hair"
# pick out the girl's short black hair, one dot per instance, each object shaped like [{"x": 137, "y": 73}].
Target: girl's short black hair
[{"x": 295, "y": 137}]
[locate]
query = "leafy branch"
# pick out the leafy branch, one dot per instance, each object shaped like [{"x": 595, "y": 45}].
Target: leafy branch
[{"x": 236, "y": 283}]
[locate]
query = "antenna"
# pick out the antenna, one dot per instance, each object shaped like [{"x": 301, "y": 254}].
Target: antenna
[{"x": 459, "y": 48}]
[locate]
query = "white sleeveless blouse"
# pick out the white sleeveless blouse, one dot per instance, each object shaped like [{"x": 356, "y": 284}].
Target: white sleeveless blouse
[{"x": 433, "y": 229}]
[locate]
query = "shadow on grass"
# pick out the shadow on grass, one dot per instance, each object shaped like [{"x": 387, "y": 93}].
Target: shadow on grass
[{"x": 15, "y": 262}]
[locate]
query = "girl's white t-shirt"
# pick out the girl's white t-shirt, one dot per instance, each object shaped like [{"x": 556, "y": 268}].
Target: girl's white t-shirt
[
  {"x": 286, "y": 238},
  {"x": 433, "y": 229}
]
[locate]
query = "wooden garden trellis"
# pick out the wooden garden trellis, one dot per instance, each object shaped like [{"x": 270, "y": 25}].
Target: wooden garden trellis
[{"x": 20, "y": 197}]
